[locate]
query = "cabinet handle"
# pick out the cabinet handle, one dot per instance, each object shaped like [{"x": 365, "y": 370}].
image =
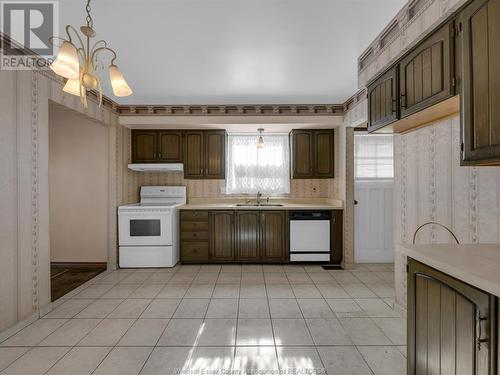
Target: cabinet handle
[
  {"x": 394, "y": 109},
  {"x": 403, "y": 101},
  {"x": 159, "y": 155},
  {"x": 479, "y": 330}
]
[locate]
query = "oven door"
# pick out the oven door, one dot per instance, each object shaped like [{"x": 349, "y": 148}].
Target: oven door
[{"x": 145, "y": 228}]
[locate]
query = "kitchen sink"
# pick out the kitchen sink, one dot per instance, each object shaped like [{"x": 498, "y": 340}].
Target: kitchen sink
[{"x": 258, "y": 205}]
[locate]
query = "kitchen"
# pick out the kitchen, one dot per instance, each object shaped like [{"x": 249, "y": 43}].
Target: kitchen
[
  {"x": 360, "y": 237},
  {"x": 254, "y": 228}
]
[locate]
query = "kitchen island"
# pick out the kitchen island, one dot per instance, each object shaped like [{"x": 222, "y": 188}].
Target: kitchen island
[{"x": 452, "y": 296}]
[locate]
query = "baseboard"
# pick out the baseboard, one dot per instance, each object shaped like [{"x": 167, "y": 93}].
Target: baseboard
[
  {"x": 79, "y": 265},
  {"x": 11, "y": 331}
]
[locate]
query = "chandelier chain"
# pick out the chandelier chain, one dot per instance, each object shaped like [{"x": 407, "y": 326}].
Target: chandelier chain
[{"x": 90, "y": 21}]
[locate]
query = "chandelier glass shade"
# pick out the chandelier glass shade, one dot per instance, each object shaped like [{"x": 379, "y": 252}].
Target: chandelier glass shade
[{"x": 78, "y": 63}]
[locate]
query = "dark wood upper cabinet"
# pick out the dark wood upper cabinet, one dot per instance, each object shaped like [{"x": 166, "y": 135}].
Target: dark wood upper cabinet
[
  {"x": 274, "y": 232},
  {"x": 204, "y": 154},
  {"x": 302, "y": 154},
  {"x": 312, "y": 153},
  {"x": 170, "y": 146},
  {"x": 426, "y": 74},
  {"x": 383, "y": 99},
  {"x": 222, "y": 241},
  {"x": 480, "y": 88},
  {"x": 194, "y": 154},
  {"x": 452, "y": 326},
  {"x": 144, "y": 145},
  {"x": 324, "y": 153},
  {"x": 248, "y": 236},
  {"x": 215, "y": 154}
]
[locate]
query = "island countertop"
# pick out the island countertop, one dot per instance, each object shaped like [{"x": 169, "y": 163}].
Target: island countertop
[
  {"x": 277, "y": 204},
  {"x": 474, "y": 264}
]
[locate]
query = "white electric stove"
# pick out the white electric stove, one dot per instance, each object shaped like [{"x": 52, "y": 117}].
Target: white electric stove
[{"x": 148, "y": 231}]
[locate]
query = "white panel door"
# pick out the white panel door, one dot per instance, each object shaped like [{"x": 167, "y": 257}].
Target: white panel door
[{"x": 374, "y": 242}]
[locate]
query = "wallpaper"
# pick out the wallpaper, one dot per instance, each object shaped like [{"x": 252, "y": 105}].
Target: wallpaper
[
  {"x": 132, "y": 181},
  {"x": 430, "y": 185}
]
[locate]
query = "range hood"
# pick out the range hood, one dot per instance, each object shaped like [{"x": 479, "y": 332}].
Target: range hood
[{"x": 156, "y": 167}]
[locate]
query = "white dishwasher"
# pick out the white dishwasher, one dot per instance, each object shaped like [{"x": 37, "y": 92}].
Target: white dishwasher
[{"x": 310, "y": 236}]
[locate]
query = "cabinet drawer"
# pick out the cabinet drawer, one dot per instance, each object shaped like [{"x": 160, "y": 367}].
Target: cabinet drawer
[
  {"x": 194, "y": 215},
  {"x": 201, "y": 235},
  {"x": 195, "y": 251},
  {"x": 194, "y": 225}
]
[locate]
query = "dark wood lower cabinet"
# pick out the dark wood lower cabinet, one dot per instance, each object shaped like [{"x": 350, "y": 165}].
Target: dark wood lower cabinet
[
  {"x": 248, "y": 236},
  {"x": 337, "y": 237},
  {"x": 452, "y": 326},
  {"x": 222, "y": 236},
  {"x": 244, "y": 236},
  {"x": 194, "y": 236},
  {"x": 274, "y": 232}
]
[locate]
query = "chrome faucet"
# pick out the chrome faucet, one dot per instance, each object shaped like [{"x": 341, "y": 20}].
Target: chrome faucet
[{"x": 259, "y": 195}]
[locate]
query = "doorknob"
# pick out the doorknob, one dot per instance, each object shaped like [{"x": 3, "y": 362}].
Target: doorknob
[{"x": 355, "y": 202}]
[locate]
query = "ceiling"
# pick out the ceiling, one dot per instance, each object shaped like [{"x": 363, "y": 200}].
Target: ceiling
[{"x": 235, "y": 51}]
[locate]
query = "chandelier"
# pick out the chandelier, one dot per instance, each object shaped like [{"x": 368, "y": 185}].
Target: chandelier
[{"x": 79, "y": 63}]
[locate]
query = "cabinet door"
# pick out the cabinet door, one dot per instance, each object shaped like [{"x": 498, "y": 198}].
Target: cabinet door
[
  {"x": 383, "y": 103},
  {"x": 302, "y": 154},
  {"x": 170, "y": 146},
  {"x": 481, "y": 82},
  {"x": 324, "y": 154},
  {"x": 215, "y": 155},
  {"x": 221, "y": 236},
  {"x": 274, "y": 236},
  {"x": 336, "y": 237},
  {"x": 193, "y": 154},
  {"x": 426, "y": 73},
  {"x": 144, "y": 146},
  {"x": 451, "y": 325},
  {"x": 247, "y": 236}
]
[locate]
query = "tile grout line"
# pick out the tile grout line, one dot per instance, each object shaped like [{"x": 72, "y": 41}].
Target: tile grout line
[
  {"x": 233, "y": 364},
  {"x": 272, "y": 324},
  {"x": 307, "y": 326},
  {"x": 191, "y": 283},
  {"x": 164, "y": 329},
  {"x": 112, "y": 347}
]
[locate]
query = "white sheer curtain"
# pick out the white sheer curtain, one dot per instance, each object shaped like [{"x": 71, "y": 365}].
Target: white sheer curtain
[{"x": 250, "y": 169}]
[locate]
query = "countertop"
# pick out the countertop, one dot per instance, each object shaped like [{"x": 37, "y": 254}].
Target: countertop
[
  {"x": 475, "y": 264},
  {"x": 287, "y": 204}
]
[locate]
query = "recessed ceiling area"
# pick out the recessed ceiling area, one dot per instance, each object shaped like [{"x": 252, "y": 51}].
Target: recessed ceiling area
[{"x": 235, "y": 51}]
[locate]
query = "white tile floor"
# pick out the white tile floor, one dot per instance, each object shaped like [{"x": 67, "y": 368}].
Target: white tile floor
[{"x": 195, "y": 319}]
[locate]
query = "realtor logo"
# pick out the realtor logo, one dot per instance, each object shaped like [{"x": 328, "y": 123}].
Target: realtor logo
[{"x": 29, "y": 26}]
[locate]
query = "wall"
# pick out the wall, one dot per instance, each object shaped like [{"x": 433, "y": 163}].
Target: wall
[
  {"x": 78, "y": 187},
  {"x": 430, "y": 185},
  {"x": 410, "y": 32},
  {"x": 303, "y": 188},
  {"x": 24, "y": 189}
]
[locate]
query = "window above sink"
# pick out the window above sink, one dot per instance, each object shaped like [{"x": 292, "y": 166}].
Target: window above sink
[{"x": 252, "y": 169}]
